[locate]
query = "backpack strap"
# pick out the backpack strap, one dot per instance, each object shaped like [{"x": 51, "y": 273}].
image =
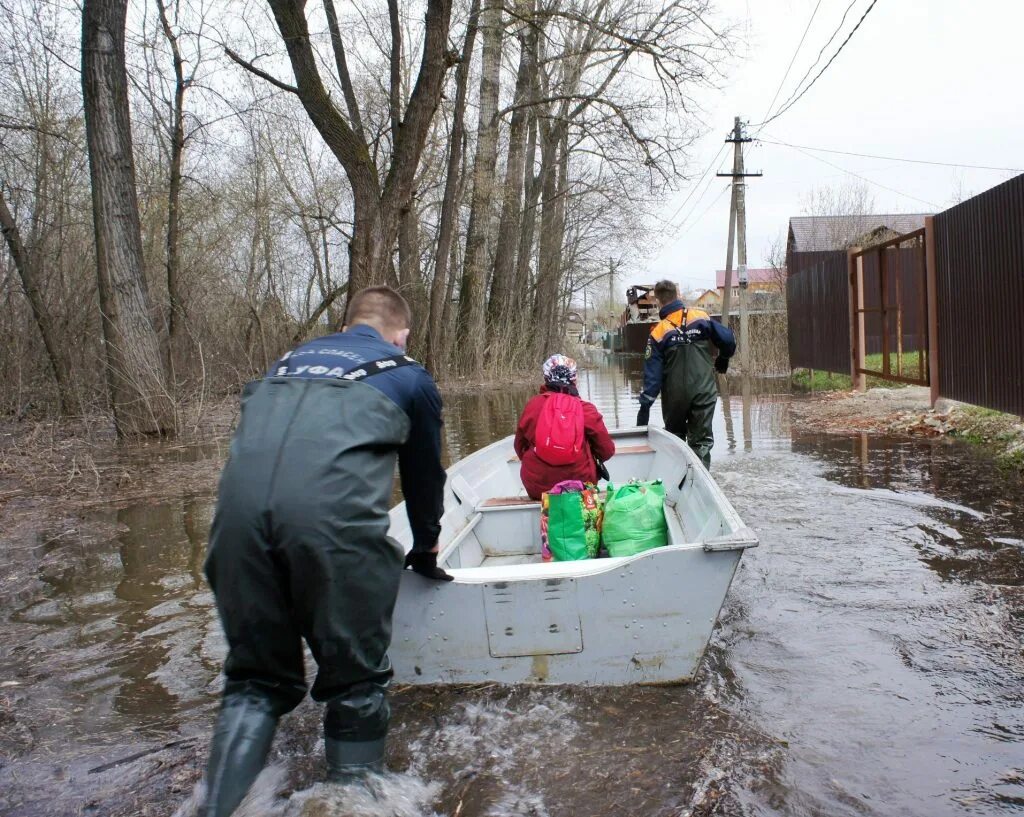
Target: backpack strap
[
  {"x": 680, "y": 327},
  {"x": 372, "y": 367}
]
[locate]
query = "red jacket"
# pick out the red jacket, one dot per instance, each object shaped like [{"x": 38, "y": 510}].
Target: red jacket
[{"x": 537, "y": 475}]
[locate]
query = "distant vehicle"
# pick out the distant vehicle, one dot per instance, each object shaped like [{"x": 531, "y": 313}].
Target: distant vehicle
[{"x": 635, "y": 323}]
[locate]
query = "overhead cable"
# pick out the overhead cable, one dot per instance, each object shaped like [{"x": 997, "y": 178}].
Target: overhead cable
[
  {"x": 864, "y": 178},
  {"x": 810, "y": 85},
  {"x": 700, "y": 181},
  {"x": 892, "y": 158},
  {"x": 793, "y": 60},
  {"x": 817, "y": 59}
]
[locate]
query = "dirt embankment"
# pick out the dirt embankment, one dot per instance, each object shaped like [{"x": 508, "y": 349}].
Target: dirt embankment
[{"x": 908, "y": 411}]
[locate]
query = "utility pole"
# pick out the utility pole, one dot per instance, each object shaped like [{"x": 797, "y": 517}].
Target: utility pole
[
  {"x": 585, "y": 333},
  {"x": 611, "y": 303},
  {"x": 738, "y": 231},
  {"x": 611, "y": 289}
]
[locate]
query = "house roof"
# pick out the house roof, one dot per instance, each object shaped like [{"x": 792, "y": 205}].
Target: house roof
[
  {"x": 754, "y": 276},
  {"x": 819, "y": 233}
]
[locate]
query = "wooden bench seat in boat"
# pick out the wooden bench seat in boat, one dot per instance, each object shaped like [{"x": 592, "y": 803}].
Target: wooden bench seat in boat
[{"x": 621, "y": 450}]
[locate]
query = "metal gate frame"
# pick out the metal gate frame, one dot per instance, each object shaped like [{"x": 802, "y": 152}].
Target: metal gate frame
[{"x": 922, "y": 240}]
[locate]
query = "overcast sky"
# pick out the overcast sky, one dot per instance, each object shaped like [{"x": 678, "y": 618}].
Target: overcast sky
[{"x": 941, "y": 80}]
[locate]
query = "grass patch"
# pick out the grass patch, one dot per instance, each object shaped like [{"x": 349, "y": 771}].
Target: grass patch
[
  {"x": 1001, "y": 432},
  {"x": 830, "y": 381},
  {"x": 822, "y": 381}
]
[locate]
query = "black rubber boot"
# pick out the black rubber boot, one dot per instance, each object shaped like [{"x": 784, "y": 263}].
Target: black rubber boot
[
  {"x": 241, "y": 743},
  {"x": 351, "y": 762},
  {"x": 355, "y": 733}
]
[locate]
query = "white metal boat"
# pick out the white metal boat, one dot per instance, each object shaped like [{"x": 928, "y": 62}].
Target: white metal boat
[{"x": 509, "y": 617}]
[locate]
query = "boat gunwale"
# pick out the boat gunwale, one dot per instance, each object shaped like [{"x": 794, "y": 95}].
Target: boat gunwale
[
  {"x": 740, "y": 537},
  {"x": 582, "y": 568}
]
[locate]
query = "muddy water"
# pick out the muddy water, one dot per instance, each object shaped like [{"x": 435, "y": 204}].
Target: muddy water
[{"x": 868, "y": 660}]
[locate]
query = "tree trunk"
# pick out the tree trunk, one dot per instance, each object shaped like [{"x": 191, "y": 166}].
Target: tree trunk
[
  {"x": 175, "y": 304},
  {"x": 135, "y": 371},
  {"x": 410, "y": 277},
  {"x": 528, "y": 222},
  {"x": 44, "y": 320},
  {"x": 503, "y": 290},
  {"x": 472, "y": 292},
  {"x": 439, "y": 289},
  {"x": 554, "y": 163},
  {"x": 377, "y": 210}
]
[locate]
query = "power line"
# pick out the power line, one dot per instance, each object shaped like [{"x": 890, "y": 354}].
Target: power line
[
  {"x": 697, "y": 185},
  {"x": 696, "y": 204},
  {"x": 821, "y": 53},
  {"x": 863, "y": 178},
  {"x": 789, "y": 68},
  {"x": 894, "y": 158},
  {"x": 810, "y": 85},
  {"x": 714, "y": 201}
]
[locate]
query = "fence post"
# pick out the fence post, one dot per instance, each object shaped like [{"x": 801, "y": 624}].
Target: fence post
[
  {"x": 856, "y": 299},
  {"x": 931, "y": 275}
]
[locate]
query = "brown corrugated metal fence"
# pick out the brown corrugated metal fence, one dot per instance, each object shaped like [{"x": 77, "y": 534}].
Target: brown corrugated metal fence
[
  {"x": 818, "y": 303},
  {"x": 979, "y": 248}
]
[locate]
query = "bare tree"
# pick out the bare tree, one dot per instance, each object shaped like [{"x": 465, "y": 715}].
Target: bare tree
[
  {"x": 440, "y": 291},
  {"x": 503, "y": 279},
  {"x": 135, "y": 372},
  {"x": 30, "y": 281},
  {"x": 472, "y": 293},
  {"x": 378, "y": 206},
  {"x": 844, "y": 212}
]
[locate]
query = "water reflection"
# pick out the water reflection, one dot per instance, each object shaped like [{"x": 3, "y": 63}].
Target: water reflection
[{"x": 868, "y": 660}]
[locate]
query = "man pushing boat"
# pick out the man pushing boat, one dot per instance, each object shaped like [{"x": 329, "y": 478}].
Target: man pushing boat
[
  {"x": 678, "y": 365},
  {"x": 299, "y": 547}
]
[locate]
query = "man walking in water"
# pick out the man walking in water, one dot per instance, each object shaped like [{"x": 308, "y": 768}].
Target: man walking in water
[
  {"x": 678, "y": 365},
  {"x": 298, "y": 547}
]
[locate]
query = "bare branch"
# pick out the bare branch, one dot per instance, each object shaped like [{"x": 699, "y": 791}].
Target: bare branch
[{"x": 248, "y": 66}]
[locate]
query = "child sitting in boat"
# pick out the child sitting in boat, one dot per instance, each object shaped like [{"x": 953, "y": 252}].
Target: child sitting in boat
[{"x": 560, "y": 436}]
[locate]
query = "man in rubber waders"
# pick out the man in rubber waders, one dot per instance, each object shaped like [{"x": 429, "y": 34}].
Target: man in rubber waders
[
  {"x": 299, "y": 546},
  {"x": 678, "y": 365}
]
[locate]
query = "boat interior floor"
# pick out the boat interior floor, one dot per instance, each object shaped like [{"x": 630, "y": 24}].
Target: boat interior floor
[{"x": 511, "y": 559}]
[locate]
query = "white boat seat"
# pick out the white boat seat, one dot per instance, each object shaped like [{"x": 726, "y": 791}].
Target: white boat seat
[
  {"x": 619, "y": 451},
  {"x": 500, "y": 502}
]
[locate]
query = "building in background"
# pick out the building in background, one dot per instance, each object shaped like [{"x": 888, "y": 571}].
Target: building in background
[
  {"x": 813, "y": 239},
  {"x": 710, "y": 300},
  {"x": 758, "y": 280}
]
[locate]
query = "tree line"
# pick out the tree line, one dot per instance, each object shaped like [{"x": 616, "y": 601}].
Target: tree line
[{"x": 189, "y": 187}]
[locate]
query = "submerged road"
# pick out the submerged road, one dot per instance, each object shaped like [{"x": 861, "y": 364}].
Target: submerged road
[{"x": 868, "y": 660}]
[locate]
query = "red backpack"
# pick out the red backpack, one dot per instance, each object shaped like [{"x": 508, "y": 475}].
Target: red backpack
[{"x": 560, "y": 429}]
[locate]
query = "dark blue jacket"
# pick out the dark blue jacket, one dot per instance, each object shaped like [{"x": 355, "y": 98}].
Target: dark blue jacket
[
  {"x": 413, "y": 390},
  {"x": 680, "y": 326}
]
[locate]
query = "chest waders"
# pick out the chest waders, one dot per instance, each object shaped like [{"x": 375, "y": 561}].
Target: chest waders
[
  {"x": 689, "y": 392},
  {"x": 299, "y": 551}
]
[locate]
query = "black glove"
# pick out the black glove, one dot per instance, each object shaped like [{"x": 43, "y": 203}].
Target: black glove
[
  {"x": 602, "y": 471},
  {"x": 721, "y": 364},
  {"x": 426, "y": 565},
  {"x": 644, "y": 415}
]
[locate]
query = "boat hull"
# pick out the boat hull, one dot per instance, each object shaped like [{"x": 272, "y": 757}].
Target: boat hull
[
  {"x": 510, "y": 618},
  {"x": 644, "y": 622}
]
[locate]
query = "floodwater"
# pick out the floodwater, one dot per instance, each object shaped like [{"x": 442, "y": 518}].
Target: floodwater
[{"x": 868, "y": 660}]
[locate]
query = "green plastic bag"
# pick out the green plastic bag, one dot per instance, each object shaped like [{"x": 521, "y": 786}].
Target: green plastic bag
[
  {"x": 572, "y": 525},
  {"x": 634, "y": 518}
]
